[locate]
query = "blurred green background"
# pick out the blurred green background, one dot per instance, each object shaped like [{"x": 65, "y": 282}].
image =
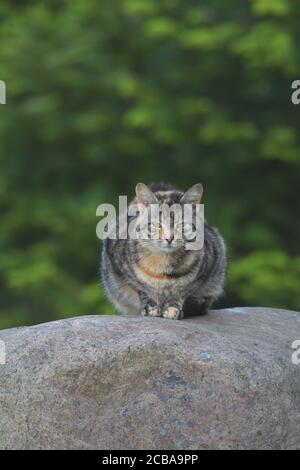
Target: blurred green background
[{"x": 102, "y": 94}]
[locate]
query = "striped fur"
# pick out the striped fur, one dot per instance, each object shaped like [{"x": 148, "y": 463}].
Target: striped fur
[{"x": 144, "y": 277}]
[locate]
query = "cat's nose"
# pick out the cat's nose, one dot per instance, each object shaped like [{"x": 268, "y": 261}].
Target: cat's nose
[{"x": 170, "y": 239}]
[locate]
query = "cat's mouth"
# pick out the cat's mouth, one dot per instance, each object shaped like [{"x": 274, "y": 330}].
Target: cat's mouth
[{"x": 168, "y": 248}]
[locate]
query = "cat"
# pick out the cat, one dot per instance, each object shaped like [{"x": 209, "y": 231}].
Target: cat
[{"x": 160, "y": 277}]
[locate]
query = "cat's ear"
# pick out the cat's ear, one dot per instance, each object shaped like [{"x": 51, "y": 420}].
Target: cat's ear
[
  {"x": 144, "y": 195},
  {"x": 193, "y": 195}
]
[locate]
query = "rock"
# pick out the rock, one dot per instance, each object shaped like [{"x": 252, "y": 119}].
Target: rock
[{"x": 222, "y": 381}]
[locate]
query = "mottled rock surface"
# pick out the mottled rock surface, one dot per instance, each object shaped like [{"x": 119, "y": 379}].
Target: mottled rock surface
[{"x": 223, "y": 381}]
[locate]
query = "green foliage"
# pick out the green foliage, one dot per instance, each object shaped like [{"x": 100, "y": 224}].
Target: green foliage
[{"x": 103, "y": 94}]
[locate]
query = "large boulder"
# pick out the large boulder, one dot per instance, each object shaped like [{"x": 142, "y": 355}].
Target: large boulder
[{"x": 222, "y": 381}]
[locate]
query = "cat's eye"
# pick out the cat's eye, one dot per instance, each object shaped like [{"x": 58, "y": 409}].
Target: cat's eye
[
  {"x": 186, "y": 226},
  {"x": 187, "y": 230}
]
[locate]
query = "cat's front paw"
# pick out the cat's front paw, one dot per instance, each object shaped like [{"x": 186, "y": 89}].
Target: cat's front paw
[
  {"x": 172, "y": 313},
  {"x": 151, "y": 311}
]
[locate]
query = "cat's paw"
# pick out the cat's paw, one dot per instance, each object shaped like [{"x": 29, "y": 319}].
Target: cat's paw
[
  {"x": 151, "y": 311},
  {"x": 173, "y": 313}
]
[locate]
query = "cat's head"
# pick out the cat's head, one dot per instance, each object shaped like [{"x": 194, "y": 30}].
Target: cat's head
[{"x": 169, "y": 230}]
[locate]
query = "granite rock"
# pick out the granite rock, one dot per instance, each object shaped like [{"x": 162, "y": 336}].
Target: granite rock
[{"x": 222, "y": 381}]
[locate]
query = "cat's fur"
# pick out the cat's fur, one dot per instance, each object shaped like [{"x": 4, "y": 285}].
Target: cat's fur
[{"x": 145, "y": 277}]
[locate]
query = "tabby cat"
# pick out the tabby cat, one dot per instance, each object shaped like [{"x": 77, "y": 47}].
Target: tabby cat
[{"x": 160, "y": 277}]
